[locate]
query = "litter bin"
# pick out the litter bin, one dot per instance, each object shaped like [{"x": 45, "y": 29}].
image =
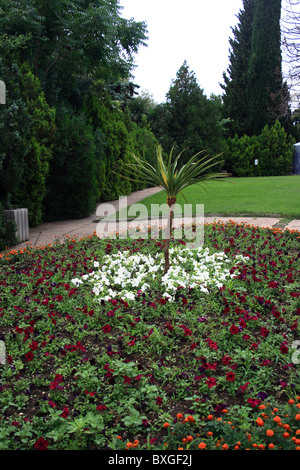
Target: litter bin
[
  {"x": 20, "y": 217},
  {"x": 296, "y": 166}
]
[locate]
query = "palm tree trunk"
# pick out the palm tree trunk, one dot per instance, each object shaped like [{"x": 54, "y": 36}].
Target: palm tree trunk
[{"x": 170, "y": 202}]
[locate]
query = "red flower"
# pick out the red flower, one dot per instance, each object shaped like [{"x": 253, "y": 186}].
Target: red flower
[
  {"x": 226, "y": 360},
  {"x": 101, "y": 407},
  {"x": 34, "y": 345},
  {"x": 283, "y": 348},
  {"x": 211, "y": 382},
  {"x": 253, "y": 402},
  {"x": 230, "y": 377},
  {"x": 65, "y": 412},
  {"x": 127, "y": 380},
  {"x": 106, "y": 328},
  {"x": 159, "y": 401},
  {"x": 29, "y": 357},
  {"x": 273, "y": 284},
  {"x": 41, "y": 444},
  {"x": 234, "y": 330},
  {"x": 244, "y": 387},
  {"x": 264, "y": 331}
]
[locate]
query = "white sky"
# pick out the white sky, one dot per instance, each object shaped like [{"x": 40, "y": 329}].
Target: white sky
[{"x": 197, "y": 31}]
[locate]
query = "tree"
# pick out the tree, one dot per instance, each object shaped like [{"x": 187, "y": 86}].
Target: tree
[
  {"x": 173, "y": 180},
  {"x": 15, "y": 125},
  {"x": 191, "y": 120},
  {"x": 71, "y": 41},
  {"x": 265, "y": 67},
  {"x": 255, "y": 94},
  {"x": 235, "y": 85},
  {"x": 39, "y": 143},
  {"x": 291, "y": 46},
  {"x": 72, "y": 185}
]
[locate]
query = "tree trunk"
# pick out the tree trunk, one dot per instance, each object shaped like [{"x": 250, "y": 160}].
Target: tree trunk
[{"x": 170, "y": 202}]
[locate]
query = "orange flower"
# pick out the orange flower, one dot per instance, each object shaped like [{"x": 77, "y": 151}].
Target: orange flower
[
  {"x": 166, "y": 425},
  {"x": 180, "y": 448},
  {"x": 259, "y": 422},
  {"x": 190, "y": 419},
  {"x": 179, "y": 416},
  {"x": 225, "y": 447},
  {"x": 277, "y": 419},
  {"x": 210, "y": 417},
  {"x": 297, "y": 417},
  {"x": 286, "y": 435},
  {"x": 202, "y": 445},
  {"x": 189, "y": 438},
  {"x": 129, "y": 445},
  {"x": 209, "y": 434},
  {"x": 271, "y": 446},
  {"x": 261, "y": 447},
  {"x": 262, "y": 407},
  {"x": 291, "y": 401},
  {"x": 270, "y": 433}
]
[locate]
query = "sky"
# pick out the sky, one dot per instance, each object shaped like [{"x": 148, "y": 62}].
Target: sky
[{"x": 197, "y": 31}]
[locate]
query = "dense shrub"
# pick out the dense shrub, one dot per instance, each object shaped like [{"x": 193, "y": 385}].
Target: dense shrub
[
  {"x": 273, "y": 149},
  {"x": 39, "y": 144},
  {"x": 72, "y": 184},
  {"x": 7, "y": 231},
  {"x": 15, "y": 124},
  {"x": 117, "y": 137}
]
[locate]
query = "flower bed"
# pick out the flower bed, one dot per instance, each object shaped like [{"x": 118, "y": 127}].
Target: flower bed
[{"x": 104, "y": 352}]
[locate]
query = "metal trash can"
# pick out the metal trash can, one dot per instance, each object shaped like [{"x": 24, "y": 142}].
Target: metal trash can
[
  {"x": 296, "y": 165},
  {"x": 20, "y": 217}
]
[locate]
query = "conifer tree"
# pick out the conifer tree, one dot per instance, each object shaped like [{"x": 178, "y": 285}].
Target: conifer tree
[
  {"x": 264, "y": 71},
  {"x": 254, "y": 93},
  {"x": 235, "y": 98}
]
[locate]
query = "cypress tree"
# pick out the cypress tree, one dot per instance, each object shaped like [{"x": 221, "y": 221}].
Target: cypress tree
[
  {"x": 264, "y": 72},
  {"x": 235, "y": 98},
  {"x": 255, "y": 95}
]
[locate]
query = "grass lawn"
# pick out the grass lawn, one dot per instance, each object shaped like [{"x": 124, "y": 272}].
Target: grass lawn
[
  {"x": 261, "y": 196},
  {"x": 104, "y": 352}
]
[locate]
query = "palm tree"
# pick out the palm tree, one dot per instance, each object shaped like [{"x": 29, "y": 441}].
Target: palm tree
[{"x": 172, "y": 180}]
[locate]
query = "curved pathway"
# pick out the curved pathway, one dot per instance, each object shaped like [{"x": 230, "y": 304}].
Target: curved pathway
[{"x": 49, "y": 232}]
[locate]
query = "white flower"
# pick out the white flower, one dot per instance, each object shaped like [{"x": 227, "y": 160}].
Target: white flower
[{"x": 196, "y": 269}]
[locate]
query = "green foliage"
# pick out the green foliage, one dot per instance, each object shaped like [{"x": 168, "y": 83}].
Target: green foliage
[
  {"x": 255, "y": 94},
  {"x": 15, "y": 123},
  {"x": 264, "y": 69},
  {"x": 72, "y": 179},
  {"x": 7, "y": 231},
  {"x": 70, "y": 39},
  {"x": 39, "y": 143},
  {"x": 273, "y": 149},
  {"x": 235, "y": 85},
  {"x": 52, "y": 53},
  {"x": 188, "y": 119}
]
